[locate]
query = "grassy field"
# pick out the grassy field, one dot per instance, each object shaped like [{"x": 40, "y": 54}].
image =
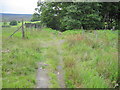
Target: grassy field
[
  {"x": 20, "y": 57},
  {"x": 90, "y": 60}
]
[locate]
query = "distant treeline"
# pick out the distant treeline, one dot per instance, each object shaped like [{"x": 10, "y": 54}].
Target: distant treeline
[
  {"x": 17, "y": 17},
  {"x": 76, "y": 15}
]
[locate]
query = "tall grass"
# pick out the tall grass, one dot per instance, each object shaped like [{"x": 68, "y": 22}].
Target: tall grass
[
  {"x": 20, "y": 57},
  {"x": 91, "y": 62}
]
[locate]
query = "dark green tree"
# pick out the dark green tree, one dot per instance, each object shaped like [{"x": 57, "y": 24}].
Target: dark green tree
[
  {"x": 14, "y": 22},
  {"x": 35, "y": 17},
  {"x": 74, "y": 15},
  {"x": 18, "y": 21},
  {"x": 79, "y": 15},
  {"x": 109, "y": 12},
  {"x": 5, "y": 24}
]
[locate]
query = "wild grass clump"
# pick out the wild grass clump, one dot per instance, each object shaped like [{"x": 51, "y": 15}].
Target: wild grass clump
[
  {"x": 90, "y": 61},
  {"x": 20, "y": 57},
  {"x": 90, "y": 58}
]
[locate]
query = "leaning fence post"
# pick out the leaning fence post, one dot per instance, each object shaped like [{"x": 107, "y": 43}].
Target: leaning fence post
[{"x": 23, "y": 33}]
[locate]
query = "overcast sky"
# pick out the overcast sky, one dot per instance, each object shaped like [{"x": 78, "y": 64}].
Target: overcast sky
[{"x": 18, "y": 6}]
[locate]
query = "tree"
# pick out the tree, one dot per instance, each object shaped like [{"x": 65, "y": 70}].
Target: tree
[
  {"x": 5, "y": 24},
  {"x": 35, "y": 17},
  {"x": 18, "y": 21},
  {"x": 74, "y": 15},
  {"x": 109, "y": 12},
  {"x": 14, "y": 22},
  {"x": 84, "y": 15}
]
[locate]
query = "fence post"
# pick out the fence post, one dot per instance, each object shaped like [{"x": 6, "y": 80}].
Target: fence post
[
  {"x": 82, "y": 30},
  {"x": 23, "y": 33},
  {"x": 95, "y": 32}
]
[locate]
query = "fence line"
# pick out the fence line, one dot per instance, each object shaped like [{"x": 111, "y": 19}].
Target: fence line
[
  {"x": 15, "y": 31},
  {"x": 23, "y": 33}
]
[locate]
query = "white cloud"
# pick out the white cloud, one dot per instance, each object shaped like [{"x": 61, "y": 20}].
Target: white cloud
[{"x": 18, "y": 6}]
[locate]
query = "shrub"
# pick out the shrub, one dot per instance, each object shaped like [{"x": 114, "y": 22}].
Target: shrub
[
  {"x": 14, "y": 22},
  {"x": 5, "y": 23},
  {"x": 18, "y": 21}
]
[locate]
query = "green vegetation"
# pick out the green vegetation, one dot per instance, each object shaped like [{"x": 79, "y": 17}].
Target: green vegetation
[
  {"x": 4, "y": 24},
  {"x": 20, "y": 57},
  {"x": 32, "y": 22},
  {"x": 13, "y": 23},
  {"x": 82, "y": 55},
  {"x": 90, "y": 60},
  {"x": 35, "y": 17},
  {"x": 76, "y": 15},
  {"x": 18, "y": 21}
]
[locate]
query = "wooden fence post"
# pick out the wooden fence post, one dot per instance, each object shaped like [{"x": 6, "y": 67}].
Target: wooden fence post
[
  {"x": 82, "y": 30},
  {"x": 23, "y": 33},
  {"x": 96, "y": 34}
]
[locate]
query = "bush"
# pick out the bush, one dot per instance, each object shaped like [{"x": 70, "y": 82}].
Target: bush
[
  {"x": 18, "y": 21},
  {"x": 14, "y": 22},
  {"x": 4, "y": 23}
]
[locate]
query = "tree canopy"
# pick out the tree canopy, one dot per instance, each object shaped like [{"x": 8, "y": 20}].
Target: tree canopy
[
  {"x": 14, "y": 22},
  {"x": 76, "y": 15}
]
